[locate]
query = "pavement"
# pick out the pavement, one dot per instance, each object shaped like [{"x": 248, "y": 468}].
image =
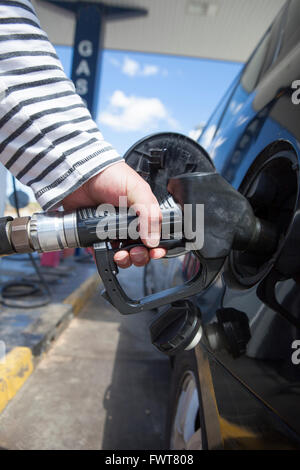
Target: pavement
[
  {"x": 102, "y": 385},
  {"x": 28, "y": 331},
  {"x": 34, "y": 327}
]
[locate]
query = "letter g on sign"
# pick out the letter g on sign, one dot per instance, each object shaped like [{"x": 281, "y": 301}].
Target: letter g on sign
[{"x": 85, "y": 48}]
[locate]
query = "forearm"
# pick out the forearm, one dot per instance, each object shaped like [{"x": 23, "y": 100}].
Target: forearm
[{"x": 48, "y": 139}]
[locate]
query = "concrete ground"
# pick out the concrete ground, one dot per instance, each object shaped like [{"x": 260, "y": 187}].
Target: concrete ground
[
  {"x": 101, "y": 386},
  {"x": 24, "y": 324}
]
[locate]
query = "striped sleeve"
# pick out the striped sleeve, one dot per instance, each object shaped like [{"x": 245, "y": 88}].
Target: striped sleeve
[{"x": 48, "y": 139}]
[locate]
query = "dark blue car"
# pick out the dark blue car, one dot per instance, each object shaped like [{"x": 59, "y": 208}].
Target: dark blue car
[{"x": 248, "y": 396}]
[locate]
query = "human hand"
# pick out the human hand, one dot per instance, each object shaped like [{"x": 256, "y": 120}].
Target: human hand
[{"x": 106, "y": 187}]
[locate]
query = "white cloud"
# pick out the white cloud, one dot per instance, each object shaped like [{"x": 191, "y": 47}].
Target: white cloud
[
  {"x": 119, "y": 100},
  {"x": 132, "y": 68},
  {"x": 135, "y": 113},
  {"x": 150, "y": 70}
]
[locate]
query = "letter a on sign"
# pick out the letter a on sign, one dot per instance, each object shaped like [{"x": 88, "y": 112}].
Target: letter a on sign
[{"x": 83, "y": 68}]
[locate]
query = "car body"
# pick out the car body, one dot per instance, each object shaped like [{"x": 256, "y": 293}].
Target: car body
[{"x": 251, "y": 401}]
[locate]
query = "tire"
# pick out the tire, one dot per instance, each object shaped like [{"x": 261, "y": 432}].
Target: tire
[{"x": 185, "y": 427}]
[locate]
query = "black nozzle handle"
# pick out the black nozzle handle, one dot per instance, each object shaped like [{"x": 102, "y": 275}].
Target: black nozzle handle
[{"x": 115, "y": 294}]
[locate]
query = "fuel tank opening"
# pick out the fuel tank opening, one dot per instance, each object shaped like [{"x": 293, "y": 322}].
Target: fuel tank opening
[{"x": 271, "y": 187}]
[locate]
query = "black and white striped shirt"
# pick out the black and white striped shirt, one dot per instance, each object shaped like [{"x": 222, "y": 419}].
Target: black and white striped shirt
[{"x": 47, "y": 137}]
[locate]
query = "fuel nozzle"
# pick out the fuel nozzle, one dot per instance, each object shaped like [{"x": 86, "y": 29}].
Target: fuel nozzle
[{"x": 229, "y": 220}]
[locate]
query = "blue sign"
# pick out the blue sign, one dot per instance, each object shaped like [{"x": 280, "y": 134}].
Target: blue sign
[
  {"x": 87, "y": 47},
  {"x": 88, "y": 44}
]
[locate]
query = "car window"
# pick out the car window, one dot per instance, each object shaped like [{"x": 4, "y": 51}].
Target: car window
[
  {"x": 266, "y": 52},
  {"x": 253, "y": 68},
  {"x": 291, "y": 33},
  {"x": 248, "y": 80},
  {"x": 258, "y": 64}
]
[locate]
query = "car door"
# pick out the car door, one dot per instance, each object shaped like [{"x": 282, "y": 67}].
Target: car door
[{"x": 256, "y": 148}]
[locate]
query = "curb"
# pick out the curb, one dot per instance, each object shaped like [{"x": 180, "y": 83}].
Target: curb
[
  {"x": 82, "y": 294},
  {"x": 15, "y": 370},
  {"x": 18, "y": 364}
]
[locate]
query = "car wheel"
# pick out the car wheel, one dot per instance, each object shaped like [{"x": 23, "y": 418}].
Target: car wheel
[{"x": 185, "y": 428}]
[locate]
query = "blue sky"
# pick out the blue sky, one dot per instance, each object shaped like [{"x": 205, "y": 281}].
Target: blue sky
[{"x": 145, "y": 93}]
